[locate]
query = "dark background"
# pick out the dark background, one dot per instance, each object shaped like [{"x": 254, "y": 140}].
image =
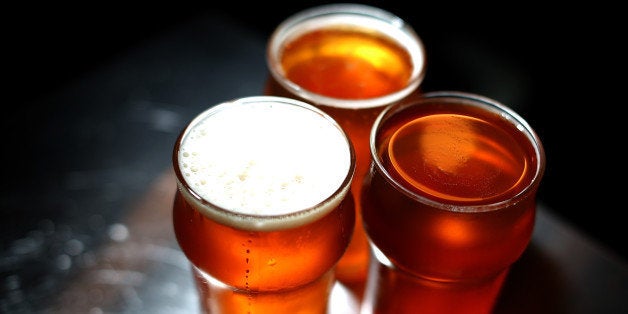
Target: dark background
[{"x": 559, "y": 67}]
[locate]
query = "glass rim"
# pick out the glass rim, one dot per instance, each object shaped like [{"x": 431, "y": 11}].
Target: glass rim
[
  {"x": 396, "y": 29},
  {"x": 256, "y": 222},
  {"x": 469, "y": 99}
]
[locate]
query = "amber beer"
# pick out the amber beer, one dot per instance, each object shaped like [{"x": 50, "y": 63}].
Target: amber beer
[
  {"x": 449, "y": 203},
  {"x": 351, "y": 61},
  {"x": 263, "y": 210}
]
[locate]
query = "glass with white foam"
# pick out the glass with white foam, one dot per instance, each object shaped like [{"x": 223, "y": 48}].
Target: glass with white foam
[{"x": 263, "y": 210}]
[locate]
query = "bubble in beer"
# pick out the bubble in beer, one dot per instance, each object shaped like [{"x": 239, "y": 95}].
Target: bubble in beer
[{"x": 264, "y": 158}]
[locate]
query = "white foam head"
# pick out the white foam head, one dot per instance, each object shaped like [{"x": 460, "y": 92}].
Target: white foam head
[{"x": 264, "y": 162}]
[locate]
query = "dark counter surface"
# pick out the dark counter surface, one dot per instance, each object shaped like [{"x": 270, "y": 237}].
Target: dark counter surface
[{"x": 87, "y": 181}]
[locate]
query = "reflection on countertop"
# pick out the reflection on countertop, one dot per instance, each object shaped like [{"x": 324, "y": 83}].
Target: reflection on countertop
[{"x": 140, "y": 269}]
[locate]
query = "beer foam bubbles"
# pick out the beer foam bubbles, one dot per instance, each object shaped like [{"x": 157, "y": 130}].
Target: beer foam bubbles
[{"x": 264, "y": 156}]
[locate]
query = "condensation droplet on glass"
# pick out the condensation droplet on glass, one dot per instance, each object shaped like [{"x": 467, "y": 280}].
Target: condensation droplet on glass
[
  {"x": 63, "y": 262},
  {"x": 74, "y": 247},
  {"x": 118, "y": 232},
  {"x": 96, "y": 310}
]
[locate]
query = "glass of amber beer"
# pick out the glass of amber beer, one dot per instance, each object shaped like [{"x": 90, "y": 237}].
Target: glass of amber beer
[
  {"x": 449, "y": 203},
  {"x": 263, "y": 209},
  {"x": 350, "y": 60}
]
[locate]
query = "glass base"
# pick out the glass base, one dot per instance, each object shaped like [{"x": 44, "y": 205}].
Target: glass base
[
  {"x": 324, "y": 296},
  {"x": 390, "y": 290}
]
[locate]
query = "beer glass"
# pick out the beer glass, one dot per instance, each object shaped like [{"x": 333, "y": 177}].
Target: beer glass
[
  {"x": 351, "y": 61},
  {"x": 448, "y": 204},
  {"x": 263, "y": 209}
]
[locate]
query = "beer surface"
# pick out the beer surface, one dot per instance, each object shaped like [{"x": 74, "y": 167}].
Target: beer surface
[
  {"x": 459, "y": 158},
  {"x": 347, "y": 63},
  {"x": 264, "y": 159}
]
